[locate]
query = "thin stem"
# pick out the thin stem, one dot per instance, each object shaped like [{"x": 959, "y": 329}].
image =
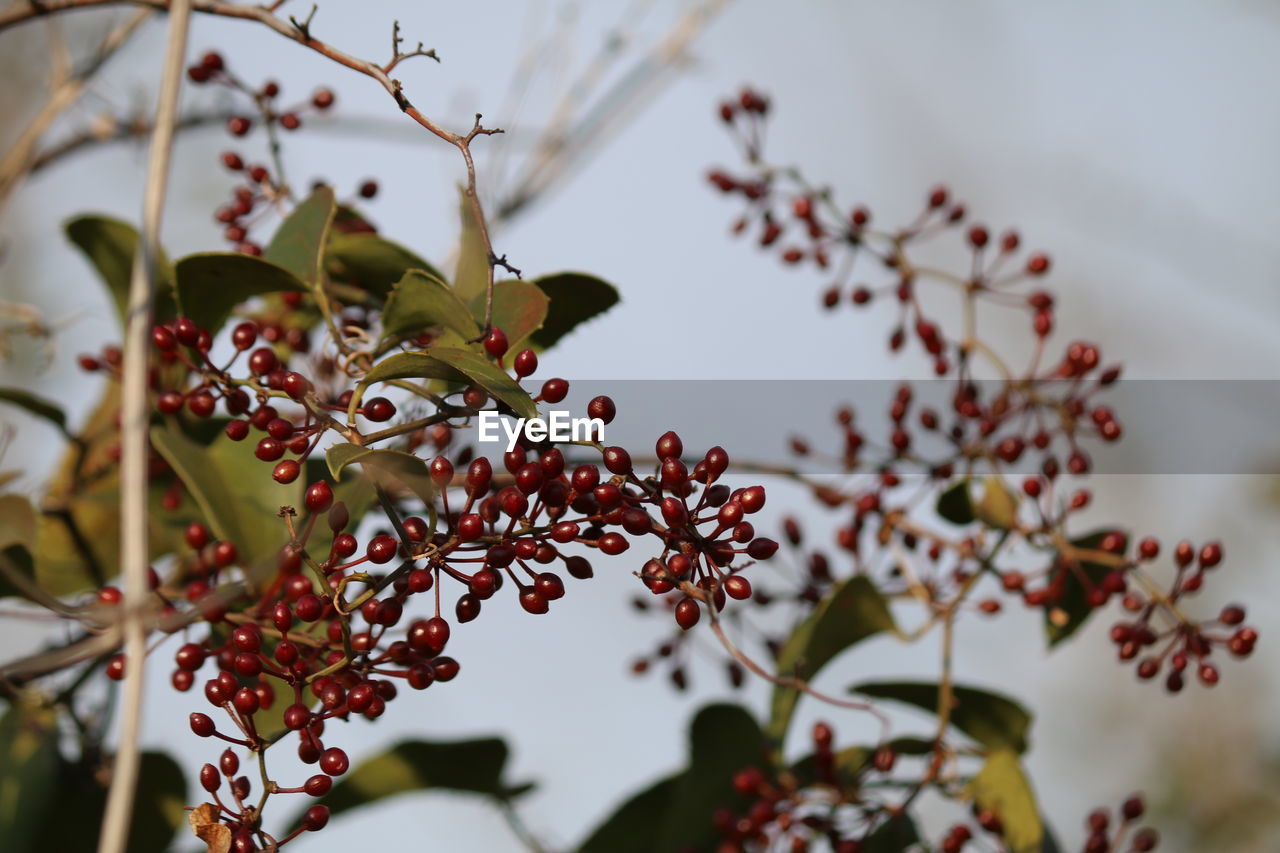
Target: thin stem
[{"x": 134, "y": 415}]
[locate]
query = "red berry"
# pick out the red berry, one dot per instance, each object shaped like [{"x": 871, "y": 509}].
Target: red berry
[
  {"x": 319, "y": 496},
  {"x": 495, "y": 343},
  {"x": 334, "y": 762},
  {"x": 379, "y": 409},
  {"x": 688, "y": 613}
]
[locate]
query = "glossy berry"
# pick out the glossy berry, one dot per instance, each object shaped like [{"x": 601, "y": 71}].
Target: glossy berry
[
  {"x": 319, "y": 496},
  {"x": 382, "y": 549},
  {"x": 495, "y": 343},
  {"x": 688, "y": 613},
  {"x": 379, "y": 409},
  {"x": 334, "y": 762}
]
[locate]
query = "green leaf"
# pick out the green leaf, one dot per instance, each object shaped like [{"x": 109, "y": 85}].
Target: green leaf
[
  {"x": 299, "y": 243},
  {"x": 235, "y": 492},
  {"x": 371, "y": 262},
  {"x": 999, "y": 506},
  {"x": 1002, "y": 787},
  {"x": 634, "y": 826},
  {"x": 454, "y": 365},
  {"x": 471, "y": 766},
  {"x": 847, "y": 615},
  {"x": 17, "y": 522},
  {"x": 36, "y": 405},
  {"x": 954, "y": 504},
  {"x": 19, "y": 528},
  {"x": 74, "y": 818},
  {"x": 210, "y": 285},
  {"x": 110, "y": 244},
  {"x": 1071, "y": 610},
  {"x": 519, "y": 310},
  {"x": 895, "y": 835},
  {"x": 672, "y": 814},
  {"x": 722, "y": 740},
  {"x": 28, "y": 773},
  {"x": 385, "y": 467},
  {"x": 419, "y": 300},
  {"x": 991, "y": 719},
  {"x": 471, "y": 278},
  {"x": 575, "y": 298}
]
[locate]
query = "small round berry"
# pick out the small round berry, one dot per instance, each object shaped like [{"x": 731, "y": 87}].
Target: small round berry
[
  {"x": 290, "y": 121},
  {"x": 495, "y": 343},
  {"x": 379, "y": 409},
  {"x": 318, "y": 785},
  {"x": 297, "y": 717},
  {"x": 555, "y": 390},
  {"x": 286, "y": 471},
  {"x": 322, "y": 99},
  {"x": 526, "y": 362},
  {"x": 688, "y": 613},
  {"x": 368, "y": 189},
  {"x": 315, "y": 818},
  {"x": 334, "y": 761},
  {"x": 263, "y": 360},
  {"x": 202, "y": 725},
  {"x": 319, "y": 496},
  {"x": 239, "y": 125},
  {"x": 382, "y": 549},
  {"x": 602, "y": 407}
]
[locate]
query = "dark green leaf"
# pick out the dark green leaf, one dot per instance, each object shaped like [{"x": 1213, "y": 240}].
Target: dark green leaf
[
  {"x": 471, "y": 278},
  {"x": 385, "y": 467},
  {"x": 895, "y": 835},
  {"x": 992, "y": 720},
  {"x": 673, "y": 813},
  {"x": 19, "y": 570},
  {"x": 519, "y": 310},
  {"x": 210, "y": 285},
  {"x": 999, "y": 506},
  {"x": 18, "y": 531},
  {"x": 954, "y": 504},
  {"x": 109, "y": 244},
  {"x": 368, "y": 261},
  {"x": 419, "y": 300},
  {"x": 575, "y": 298},
  {"x": 28, "y": 773},
  {"x": 849, "y": 614},
  {"x": 1071, "y": 610},
  {"x": 35, "y": 405},
  {"x": 454, "y": 365},
  {"x": 471, "y": 766},
  {"x": 1002, "y": 787},
  {"x": 634, "y": 826},
  {"x": 722, "y": 740},
  {"x": 74, "y": 818},
  {"x": 299, "y": 243}
]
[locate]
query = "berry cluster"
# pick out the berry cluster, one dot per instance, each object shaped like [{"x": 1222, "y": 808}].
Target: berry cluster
[
  {"x": 1041, "y": 415},
  {"x": 263, "y": 186}
]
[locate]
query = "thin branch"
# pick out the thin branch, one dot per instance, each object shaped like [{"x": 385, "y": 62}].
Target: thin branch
[
  {"x": 301, "y": 32},
  {"x": 708, "y": 598},
  {"x": 134, "y": 421}
]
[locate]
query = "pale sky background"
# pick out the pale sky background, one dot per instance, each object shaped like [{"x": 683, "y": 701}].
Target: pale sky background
[{"x": 1135, "y": 142}]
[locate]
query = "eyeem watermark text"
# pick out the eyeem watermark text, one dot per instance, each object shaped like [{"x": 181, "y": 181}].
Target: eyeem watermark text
[{"x": 557, "y": 426}]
